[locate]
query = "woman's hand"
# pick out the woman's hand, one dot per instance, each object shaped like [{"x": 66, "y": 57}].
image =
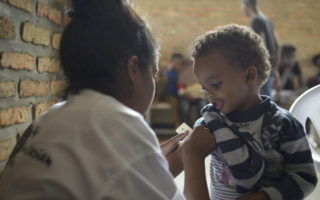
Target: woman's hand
[
  {"x": 172, "y": 144},
  {"x": 172, "y": 151},
  {"x": 254, "y": 196}
]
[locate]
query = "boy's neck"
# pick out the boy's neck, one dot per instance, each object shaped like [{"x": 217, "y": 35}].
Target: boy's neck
[{"x": 253, "y": 101}]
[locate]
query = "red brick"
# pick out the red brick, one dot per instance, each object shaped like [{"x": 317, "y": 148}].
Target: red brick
[
  {"x": 7, "y": 89},
  {"x": 56, "y": 38},
  {"x": 66, "y": 3},
  {"x": 6, "y": 146},
  {"x": 13, "y": 116},
  {"x": 28, "y": 88},
  {"x": 7, "y": 28},
  {"x": 42, "y": 107},
  {"x": 53, "y": 14},
  {"x": 35, "y": 34},
  {"x": 58, "y": 86},
  {"x": 17, "y": 61},
  {"x": 66, "y": 19},
  {"x": 25, "y": 5},
  {"x": 48, "y": 65}
]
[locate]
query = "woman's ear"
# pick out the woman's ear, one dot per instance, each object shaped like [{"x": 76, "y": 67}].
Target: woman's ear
[
  {"x": 251, "y": 74},
  {"x": 132, "y": 66}
]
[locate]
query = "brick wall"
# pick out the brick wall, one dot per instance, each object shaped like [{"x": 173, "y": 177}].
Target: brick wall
[
  {"x": 31, "y": 79},
  {"x": 177, "y": 23}
]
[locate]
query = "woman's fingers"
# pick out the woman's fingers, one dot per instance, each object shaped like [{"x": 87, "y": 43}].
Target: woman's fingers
[{"x": 173, "y": 143}]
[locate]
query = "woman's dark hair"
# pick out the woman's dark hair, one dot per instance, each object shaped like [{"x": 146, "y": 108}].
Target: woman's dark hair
[
  {"x": 239, "y": 44},
  {"x": 98, "y": 42}
]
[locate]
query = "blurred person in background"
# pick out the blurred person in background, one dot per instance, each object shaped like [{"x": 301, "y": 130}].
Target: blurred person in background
[
  {"x": 290, "y": 72},
  {"x": 315, "y": 80},
  {"x": 171, "y": 90},
  {"x": 191, "y": 99},
  {"x": 291, "y": 83},
  {"x": 264, "y": 27}
]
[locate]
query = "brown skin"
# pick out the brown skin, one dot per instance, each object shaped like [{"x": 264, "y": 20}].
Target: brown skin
[
  {"x": 194, "y": 152},
  {"x": 135, "y": 97},
  {"x": 172, "y": 150},
  {"x": 228, "y": 86},
  {"x": 255, "y": 196}
]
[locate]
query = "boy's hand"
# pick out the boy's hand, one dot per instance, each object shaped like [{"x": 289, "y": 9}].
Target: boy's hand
[
  {"x": 255, "y": 196},
  {"x": 199, "y": 143}
]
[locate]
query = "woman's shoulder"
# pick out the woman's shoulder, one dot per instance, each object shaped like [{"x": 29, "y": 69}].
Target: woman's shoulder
[
  {"x": 92, "y": 115},
  {"x": 98, "y": 129}
]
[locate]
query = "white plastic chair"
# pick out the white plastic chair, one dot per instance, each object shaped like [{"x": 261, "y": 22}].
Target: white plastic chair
[{"x": 306, "y": 108}]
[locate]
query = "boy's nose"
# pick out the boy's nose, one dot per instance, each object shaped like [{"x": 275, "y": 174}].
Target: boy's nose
[{"x": 211, "y": 95}]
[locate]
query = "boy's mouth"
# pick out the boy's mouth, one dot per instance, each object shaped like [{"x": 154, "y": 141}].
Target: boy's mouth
[{"x": 217, "y": 104}]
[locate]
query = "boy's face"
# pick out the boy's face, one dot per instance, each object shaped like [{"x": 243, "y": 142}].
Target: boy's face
[{"x": 226, "y": 84}]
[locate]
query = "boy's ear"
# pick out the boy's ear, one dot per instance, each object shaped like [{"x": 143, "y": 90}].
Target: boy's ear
[
  {"x": 251, "y": 74},
  {"x": 132, "y": 66}
]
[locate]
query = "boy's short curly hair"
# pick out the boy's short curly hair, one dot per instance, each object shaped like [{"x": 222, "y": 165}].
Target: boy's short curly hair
[{"x": 241, "y": 46}]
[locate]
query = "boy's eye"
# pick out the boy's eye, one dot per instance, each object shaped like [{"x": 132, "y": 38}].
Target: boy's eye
[
  {"x": 205, "y": 90},
  {"x": 217, "y": 85}
]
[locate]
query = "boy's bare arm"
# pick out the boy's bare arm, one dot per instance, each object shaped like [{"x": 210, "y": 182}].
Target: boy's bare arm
[
  {"x": 195, "y": 185},
  {"x": 195, "y": 149}
]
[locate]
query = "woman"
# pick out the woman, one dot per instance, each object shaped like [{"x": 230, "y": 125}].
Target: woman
[{"x": 97, "y": 145}]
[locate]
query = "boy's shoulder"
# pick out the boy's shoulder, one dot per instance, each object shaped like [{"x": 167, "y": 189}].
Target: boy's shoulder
[
  {"x": 199, "y": 122},
  {"x": 280, "y": 118},
  {"x": 276, "y": 113}
]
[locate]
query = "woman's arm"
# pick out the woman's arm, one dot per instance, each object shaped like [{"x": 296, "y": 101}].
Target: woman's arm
[{"x": 172, "y": 151}]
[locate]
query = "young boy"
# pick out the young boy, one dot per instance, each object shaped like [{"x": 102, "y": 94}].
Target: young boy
[{"x": 262, "y": 151}]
